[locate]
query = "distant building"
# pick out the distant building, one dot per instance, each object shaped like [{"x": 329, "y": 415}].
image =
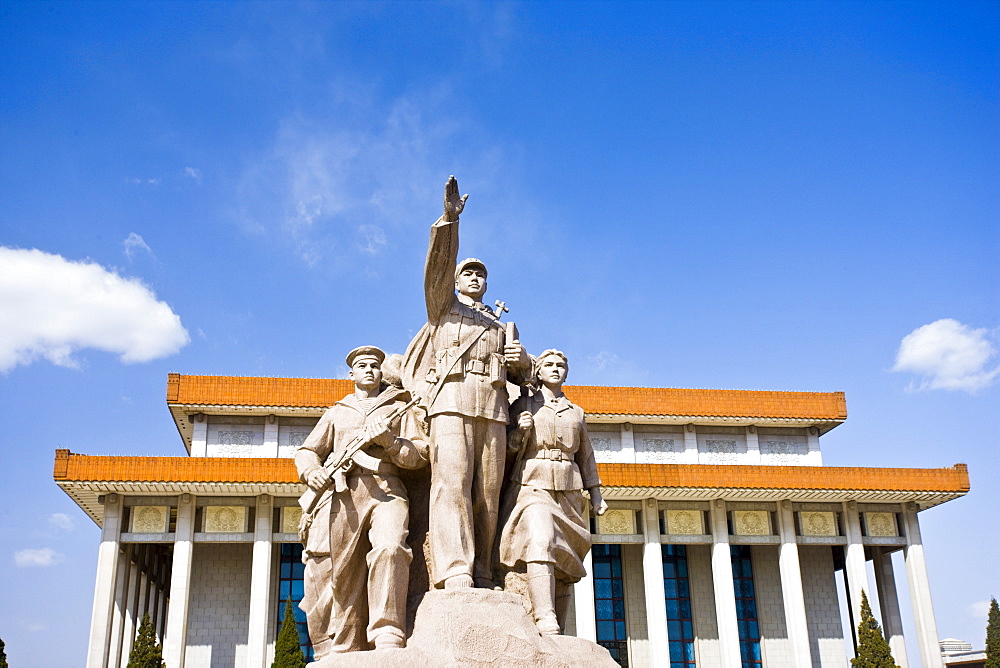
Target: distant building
[
  {"x": 960, "y": 653},
  {"x": 724, "y": 545}
]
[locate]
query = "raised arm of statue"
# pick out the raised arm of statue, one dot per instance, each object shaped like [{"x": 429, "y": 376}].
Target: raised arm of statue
[{"x": 442, "y": 254}]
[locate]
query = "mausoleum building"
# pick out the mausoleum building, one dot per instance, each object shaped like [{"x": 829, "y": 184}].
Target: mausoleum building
[{"x": 727, "y": 542}]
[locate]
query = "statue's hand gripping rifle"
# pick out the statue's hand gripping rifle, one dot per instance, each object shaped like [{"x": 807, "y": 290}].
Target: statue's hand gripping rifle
[{"x": 350, "y": 456}]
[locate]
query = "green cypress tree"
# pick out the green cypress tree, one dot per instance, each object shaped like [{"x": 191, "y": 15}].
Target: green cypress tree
[
  {"x": 146, "y": 652},
  {"x": 3, "y": 654},
  {"x": 287, "y": 653},
  {"x": 873, "y": 650},
  {"x": 993, "y": 636}
]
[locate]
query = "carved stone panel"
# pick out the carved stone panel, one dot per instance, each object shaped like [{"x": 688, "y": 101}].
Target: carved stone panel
[
  {"x": 616, "y": 521},
  {"x": 782, "y": 452},
  {"x": 150, "y": 519},
  {"x": 720, "y": 451},
  {"x": 290, "y": 516},
  {"x": 225, "y": 519},
  {"x": 817, "y": 523},
  {"x": 685, "y": 522},
  {"x": 660, "y": 450},
  {"x": 752, "y": 522},
  {"x": 881, "y": 525}
]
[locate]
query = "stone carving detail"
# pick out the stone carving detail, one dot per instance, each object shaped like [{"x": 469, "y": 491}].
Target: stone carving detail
[
  {"x": 617, "y": 521},
  {"x": 603, "y": 444},
  {"x": 150, "y": 519},
  {"x": 685, "y": 522},
  {"x": 881, "y": 525},
  {"x": 297, "y": 438},
  {"x": 225, "y": 519},
  {"x": 659, "y": 450},
  {"x": 815, "y": 523},
  {"x": 782, "y": 452},
  {"x": 719, "y": 451},
  {"x": 752, "y": 522},
  {"x": 290, "y": 516},
  {"x": 232, "y": 437}
]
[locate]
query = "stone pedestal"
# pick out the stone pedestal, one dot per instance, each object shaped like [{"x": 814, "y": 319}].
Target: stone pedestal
[{"x": 477, "y": 627}]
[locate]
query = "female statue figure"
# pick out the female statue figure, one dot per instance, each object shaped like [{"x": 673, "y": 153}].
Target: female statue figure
[{"x": 546, "y": 533}]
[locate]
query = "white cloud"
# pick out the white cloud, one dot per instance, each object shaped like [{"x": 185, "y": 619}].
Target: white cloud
[
  {"x": 34, "y": 627},
  {"x": 51, "y": 307},
  {"x": 62, "y": 521},
  {"x": 193, "y": 173},
  {"x": 948, "y": 356},
  {"x": 979, "y": 610},
  {"x": 43, "y": 557},
  {"x": 143, "y": 182},
  {"x": 133, "y": 244}
]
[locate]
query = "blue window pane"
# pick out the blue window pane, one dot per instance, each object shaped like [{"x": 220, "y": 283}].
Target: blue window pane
[
  {"x": 616, "y": 568},
  {"x": 688, "y": 630},
  {"x": 605, "y": 630},
  {"x": 620, "y": 631},
  {"x": 604, "y": 608},
  {"x": 682, "y": 567},
  {"x": 286, "y": 570},
  {"x": 297, "y": 590},
  {"x": 673, "y": 629},
  {"x": 670, "y": 588},
  {"x": 617, "y": 589},
  {"x": 602, "y": 569},
  {"x": 752, "y": 630},
  {"x": 689, "y": 651},
  {"x": 685, "y": 609},
  {"x": 602, "y": 587},
  {"x": 682, "y": 588},
  {"x": 676, "y": 651},
  {"x": 672, "y": 609},
  {"x": 619, "y": 609},
  {"x": 670, "y": 569}
]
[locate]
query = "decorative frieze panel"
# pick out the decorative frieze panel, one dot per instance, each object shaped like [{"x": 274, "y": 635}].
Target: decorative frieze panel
[
  {"x": 290, "y": 517},
  {"x": 150, "y": 519},
  {"x": 720, "y": 451},
  {"x": 225, "y": 519},
  {"x": 751, "y": 523},
  {"x": 781, "y": 452},
  {"x": 881, "y": 525},
  {"x": 607, "y": 445},
  {"x": 685, "y": 522},
  {"x": 661, "y": 450},
  {"x": 817, "y": 523},
  {"x": 617, "y": 521}
]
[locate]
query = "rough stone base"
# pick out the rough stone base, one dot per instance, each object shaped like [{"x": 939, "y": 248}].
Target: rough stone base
[{"x": 477, "y": 627}]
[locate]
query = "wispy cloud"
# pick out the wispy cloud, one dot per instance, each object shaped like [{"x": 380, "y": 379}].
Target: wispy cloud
[
  {"x": 979, "y": 609},
  {"x": 134, "y": 243},
  {"x": 62, "y": 521},
  {"x": 142, "y": 182},
  {"x": 51, "y": 307},
  {"x": 42, "y": 557},
  {"x": 193, "y": 173},
  {"x": 947, "y": 355}
]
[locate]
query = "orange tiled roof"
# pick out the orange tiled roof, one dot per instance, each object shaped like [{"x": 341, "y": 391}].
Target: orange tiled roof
[
  {"x": 86, "y": 468},
  {"x": 322, "y": 392}
]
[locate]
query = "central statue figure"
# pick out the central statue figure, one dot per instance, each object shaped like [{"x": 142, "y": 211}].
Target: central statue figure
[{"x": 460, "y": 363}]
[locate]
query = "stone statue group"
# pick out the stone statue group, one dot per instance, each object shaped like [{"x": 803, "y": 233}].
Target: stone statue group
[{"x": 506, "y": 480}]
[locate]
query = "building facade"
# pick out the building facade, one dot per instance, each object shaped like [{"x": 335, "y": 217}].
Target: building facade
[{"x": 727, "y": 542}]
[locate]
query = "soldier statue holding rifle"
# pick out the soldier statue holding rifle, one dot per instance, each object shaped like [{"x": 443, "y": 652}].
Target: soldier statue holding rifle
[{"x": 355, "y": 593}]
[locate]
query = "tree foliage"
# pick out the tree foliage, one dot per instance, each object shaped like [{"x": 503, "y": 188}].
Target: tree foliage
[
  {"x": 146, "y": 652},
  {"x": 287, "y": 653},
  {"x": 873, "y": 650},
  {"x": 993, "y": 636},
  {"x": 3, "y": 654}
]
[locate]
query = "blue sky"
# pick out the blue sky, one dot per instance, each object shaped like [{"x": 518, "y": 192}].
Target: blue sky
[{"x": 723, "y": 195}]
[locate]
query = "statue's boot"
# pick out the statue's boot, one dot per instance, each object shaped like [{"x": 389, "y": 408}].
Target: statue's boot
[
  {"x": 390, "y": 639},
  {"x": 542, "y": 595}
]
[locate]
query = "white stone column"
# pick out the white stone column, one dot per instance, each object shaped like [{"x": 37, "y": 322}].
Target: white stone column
[
  {"x": 690, "y": 444},
  {"x": 791, "y": 587},
  {"x": 814, "y": 456},
  {"x": 920, "y": 591},
  {"x": 175, "y": 637},
  {"x": 753, "y": 445},
  {"x": 854, "y": 563},
  {"x": 199, "y": 435},
  {"x": 98, "y": 652},
  {"x": 628, "y": 443},
  {"x": 652, "y": 580},
  {"x": 271, "y": 436},
  {"x": 583, "y": 602},
  {"x": 725, "y": 593},
  {"x": 583, "y": 593},
  {"x": 117, "y": 622},
  {"x": 260, "y": 584},
  {"x": 131, "y": 577},
  {"x": 888, "y": 601}
]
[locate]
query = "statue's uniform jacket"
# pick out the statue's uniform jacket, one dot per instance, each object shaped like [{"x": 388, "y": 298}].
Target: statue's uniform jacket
[
  {"x": 357, "y": 541},
  {"x": 468, "y": 413},
  {"x": 543, "y": 505}
]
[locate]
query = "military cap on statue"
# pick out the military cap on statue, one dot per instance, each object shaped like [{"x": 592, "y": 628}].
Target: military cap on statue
[
  {"x": 371, "y": 351},
  {"x": 469, "y": 262}
]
